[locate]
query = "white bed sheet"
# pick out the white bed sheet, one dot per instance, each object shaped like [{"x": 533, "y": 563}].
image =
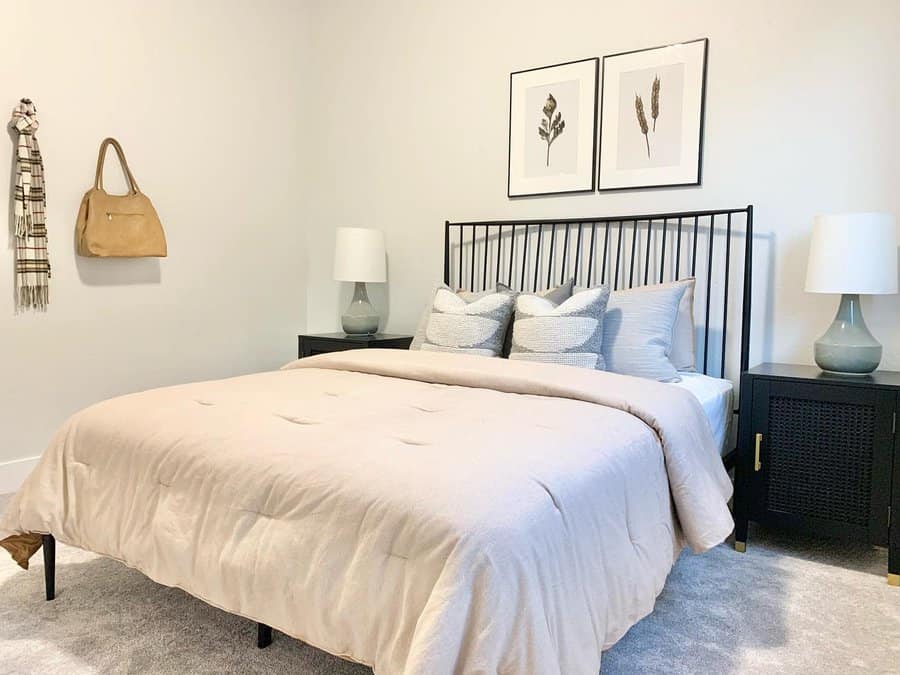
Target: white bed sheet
[{"x": 717, "y": 398}]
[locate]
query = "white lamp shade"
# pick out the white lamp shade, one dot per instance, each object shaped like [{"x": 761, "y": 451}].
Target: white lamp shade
[
  {"x": 359, "y": 255},
  {"x": 853, "y": 253}
]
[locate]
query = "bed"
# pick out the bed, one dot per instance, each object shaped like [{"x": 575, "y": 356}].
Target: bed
[{"x": 416, "y": 512}]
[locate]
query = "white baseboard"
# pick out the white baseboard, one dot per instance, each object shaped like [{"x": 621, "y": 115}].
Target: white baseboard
[{"x": 14, "y": 473}]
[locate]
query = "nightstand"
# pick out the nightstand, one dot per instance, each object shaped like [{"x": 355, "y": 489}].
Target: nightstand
[
  {"x": 322, "y": 343},
  {"x": 819, "y": 452}
]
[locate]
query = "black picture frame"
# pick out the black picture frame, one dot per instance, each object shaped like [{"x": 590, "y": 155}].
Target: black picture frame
[
  {"x": 594, "y": 132},
  {"x": 650, "y": 186}
]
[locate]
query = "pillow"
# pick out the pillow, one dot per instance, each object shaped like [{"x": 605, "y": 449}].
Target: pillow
[
  {"x": 683, "y": 354},
  {"x": 683, "y": 351},
  {"x": 419, "y": 336},
  {"x": 557, "y": 295},
  {"x": 570, "y": 333},
  {"x": 638, "y": 330},
  {"x": 476, "y": 327}
]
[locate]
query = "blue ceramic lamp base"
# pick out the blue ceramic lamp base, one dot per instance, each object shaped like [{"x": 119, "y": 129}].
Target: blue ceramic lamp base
[{"x": 847, "y": 346}]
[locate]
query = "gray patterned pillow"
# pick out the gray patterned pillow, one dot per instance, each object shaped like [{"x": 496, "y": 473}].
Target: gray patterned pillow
[
  {"x": 570, "y": 333},
  {"x": 419, "y": 337},
  {"x": 557, "y": 295},
  {"x": 471, "y": 326}
]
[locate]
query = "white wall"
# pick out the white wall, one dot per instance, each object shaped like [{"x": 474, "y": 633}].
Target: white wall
[
  {"x": 412, "y": 105},
  {"x": 298, "y": 117},
  {"x": 205, "y": 98}
]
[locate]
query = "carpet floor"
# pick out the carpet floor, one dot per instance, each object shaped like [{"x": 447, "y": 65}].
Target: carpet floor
[{"x": 789, "y": 605}]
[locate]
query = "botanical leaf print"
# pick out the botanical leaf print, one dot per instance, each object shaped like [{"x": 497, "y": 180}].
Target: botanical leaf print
[
  {"x": 642, "y": 120},
  {"x": 654, "y": 111},
  {"x": 551, "y": 126}
]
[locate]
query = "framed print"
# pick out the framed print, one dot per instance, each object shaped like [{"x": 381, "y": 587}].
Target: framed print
[
  {"x": 553, "y": 129},
  {"x": 651, "y": 117}
]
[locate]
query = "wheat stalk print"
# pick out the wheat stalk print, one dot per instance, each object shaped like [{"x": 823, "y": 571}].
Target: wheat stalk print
[
  {"x": 551, "y": 127},
  {"x": 654, "y": 101},
  {"x": 642, "y": 120}
]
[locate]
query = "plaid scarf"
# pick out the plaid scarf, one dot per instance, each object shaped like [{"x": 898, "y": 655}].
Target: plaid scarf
[{"x": 32, "y": 262}]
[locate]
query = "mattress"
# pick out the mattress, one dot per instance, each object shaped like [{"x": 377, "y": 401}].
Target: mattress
[{"x": 716, "y": 396}]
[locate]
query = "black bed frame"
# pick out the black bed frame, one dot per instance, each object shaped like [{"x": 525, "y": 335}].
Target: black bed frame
[
  {"x": 624, "y": 252},
  {"x": 621, "y": 251}
]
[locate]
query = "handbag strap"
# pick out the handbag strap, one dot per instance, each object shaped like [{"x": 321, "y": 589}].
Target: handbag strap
[{"x": 98, "y": 177}]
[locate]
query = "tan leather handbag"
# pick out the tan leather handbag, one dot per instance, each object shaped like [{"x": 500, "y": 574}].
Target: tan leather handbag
[{"x": 118, "y": 226}]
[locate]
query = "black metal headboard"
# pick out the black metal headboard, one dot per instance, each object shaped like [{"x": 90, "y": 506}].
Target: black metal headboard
[{"x": 623, "y": 252}]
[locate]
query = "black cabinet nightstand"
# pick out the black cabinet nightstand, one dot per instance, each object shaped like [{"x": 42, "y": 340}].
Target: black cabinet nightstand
[
  {"x": 310, "y": 345},
  {"x": 819, "y": 452}
]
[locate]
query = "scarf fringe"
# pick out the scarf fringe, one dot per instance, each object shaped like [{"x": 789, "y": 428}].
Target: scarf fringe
[
  {"x": 33, "y": 297},
  {"x": 24, "y": 226}
]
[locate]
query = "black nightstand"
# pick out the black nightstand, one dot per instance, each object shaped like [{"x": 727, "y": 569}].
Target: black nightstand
[
  {"x": 310, "y": 345},
  {"x": 820, "y": 453}
]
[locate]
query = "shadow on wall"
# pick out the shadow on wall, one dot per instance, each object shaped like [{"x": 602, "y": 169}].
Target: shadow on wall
[
  {"x": 118, "y": 271},
  {"x": 115, "y": 271},
  {"x": 762, "y": 316},
  {"x": 11, "y": 213},
  {"x": 768, "y": 317}
]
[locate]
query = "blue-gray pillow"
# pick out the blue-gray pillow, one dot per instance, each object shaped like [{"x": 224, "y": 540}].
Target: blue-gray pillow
[{"x": 638, "y": 330}]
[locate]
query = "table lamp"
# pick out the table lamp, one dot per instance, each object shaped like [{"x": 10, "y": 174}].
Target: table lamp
[
  {"x": 359, "y": 257},
  {"x": 852, "y": 254}
]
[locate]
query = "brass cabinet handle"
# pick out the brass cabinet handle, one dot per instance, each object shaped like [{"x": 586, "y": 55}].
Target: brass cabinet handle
[{"x": 757, "y": 465}]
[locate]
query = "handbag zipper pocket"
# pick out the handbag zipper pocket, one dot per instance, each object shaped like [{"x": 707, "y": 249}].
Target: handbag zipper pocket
[{"x": 110, "y": 214}]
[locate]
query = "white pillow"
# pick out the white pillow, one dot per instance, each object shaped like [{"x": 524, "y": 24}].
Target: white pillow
[{"x": 476, "y": 327}]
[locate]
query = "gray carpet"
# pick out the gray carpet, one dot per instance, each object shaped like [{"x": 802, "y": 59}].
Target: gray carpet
[{"x": 789, "y": 605}]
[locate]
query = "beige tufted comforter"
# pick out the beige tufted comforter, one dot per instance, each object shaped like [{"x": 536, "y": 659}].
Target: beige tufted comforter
[{"x": 420, "y": 512}]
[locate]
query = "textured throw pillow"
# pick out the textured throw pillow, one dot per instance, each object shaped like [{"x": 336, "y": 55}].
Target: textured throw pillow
[
  {"x": 570, "y": 333},
  {"x": 476, "y": 327},
  {"x": 419, "y": 336},
  {"x": 638, "y": 330},
  {"x": 557, "y": 295}
]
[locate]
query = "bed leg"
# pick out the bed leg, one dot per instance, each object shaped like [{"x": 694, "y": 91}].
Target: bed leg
[
  {"x": 263, "y": 635},
  {"x": 49, "y": 544},
  {"x": 741, "y": 526}
]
